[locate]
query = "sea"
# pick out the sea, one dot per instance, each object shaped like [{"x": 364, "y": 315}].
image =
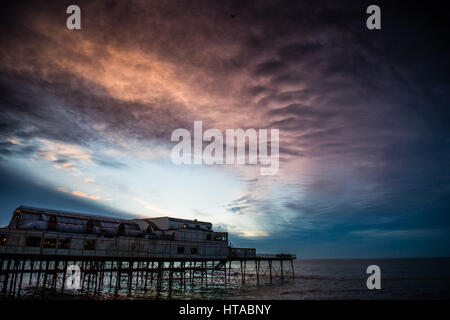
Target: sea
[
  {"x": 333, "y": 279},
  {"x": 345, "y": 279}
]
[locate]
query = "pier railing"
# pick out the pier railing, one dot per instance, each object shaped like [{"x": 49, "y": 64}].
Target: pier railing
[{"x": 276, "y": 256}]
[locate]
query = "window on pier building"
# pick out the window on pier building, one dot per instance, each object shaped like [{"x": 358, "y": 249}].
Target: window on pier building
[
  {"x": 49, "y": 243},
  {"x": 89, "y": 245},
  {"x": 90, "y": 226},
  {"x": 221, "y": 237},
  {"x": 185, "y": 226},
  {"x": 121, "y": 229},
  {"x": 16, "y": 221},
  {"x": 208, "y": 236},
  {"x": 193, "y": 250},
  {"x": 64, "y": 244},
  {"x": 52, "y": 223},
  {"x": 180, "y": 250},
  {"x": 3, "y": 238},
  {"x": 33, "y": 241}
]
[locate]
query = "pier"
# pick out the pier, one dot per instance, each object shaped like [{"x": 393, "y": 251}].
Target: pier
[{"x": 72, "y": 253}]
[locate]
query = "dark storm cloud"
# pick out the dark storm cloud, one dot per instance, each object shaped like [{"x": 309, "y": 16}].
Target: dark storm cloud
[
  {"x": 66, "y": 111},
  {"x": 320, "y": 47}
]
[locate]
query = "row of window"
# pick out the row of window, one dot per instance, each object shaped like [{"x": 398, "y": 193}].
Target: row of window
[
  {"x": 208, "y": 236},
  {"x": 217, "y": 237},
  {"x": 90, "y": 225},
  {"x": 180, "y": 250},
  {"x": 51, "y": 243},
  {"x": 185, "y": 226},
  {"x": 33, "y": 241}
]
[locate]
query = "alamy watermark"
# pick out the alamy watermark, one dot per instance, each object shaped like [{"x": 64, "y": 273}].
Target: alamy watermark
[
  {"x": 373, "y": 22},
  {"x": 73, "y": 278},
  {"x": 374, "y": 280},
  {"x": 73, "y": 22},
  {"x": 235, "y": 147}
]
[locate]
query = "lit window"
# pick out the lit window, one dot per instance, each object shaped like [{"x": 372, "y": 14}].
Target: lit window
[
  {"x": 193, "y": 250},
  {"x": 3, "y": 238},
  {"x": 64, "y": 244},
  {"x": 49, "y": 243}
]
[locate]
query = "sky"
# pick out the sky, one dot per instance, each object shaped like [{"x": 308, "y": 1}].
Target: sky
[{"x": 86, "y": 118}]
